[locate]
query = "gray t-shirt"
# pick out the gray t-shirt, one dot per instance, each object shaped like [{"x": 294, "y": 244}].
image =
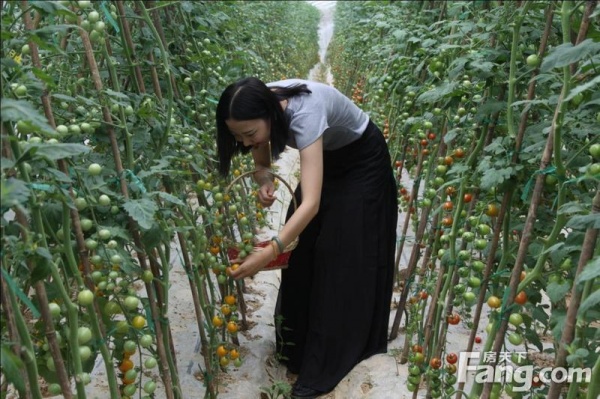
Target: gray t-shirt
[{"x": 325, "y": 112}]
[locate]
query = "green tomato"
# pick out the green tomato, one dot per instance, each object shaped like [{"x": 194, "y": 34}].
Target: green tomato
[
  {"x": 477, "y": 265},
  {"x": 116, "y": 259},
  {"x": 595, "y": 150},
  {"x": 474, "y": 282},
  {"x": 80, "y": 203},
  {"x": 515, "y": 338},
  {"x": 149, "y": 387},
  {"x": 129, "y": 389},
  {"x": 54, "y": 389},
  {"x": 150, "y": 363},
  {"x": 91, "y": 244},
  {"x": 515, "y": 319},
  {"x": 104, "y": 200},
  {"x": 104, "y": 234},
  {"x": 131, "y": 302},
  {"x": 96, "y": 260},
  {"x": 414, "y": 370},
  {"x": 86, "y": 224},
  {"x": 484, "y": 229},
  {"x": 21, "y": 90},
  {"x": 480, "y": 244},
  {"x": 533, "y": 60},
  {"x": 122, "y": 327},
  {"x": 469, "y": 297},
  {"x": 84, "y": 335},
  {"x": 146, "y": 340},
  {"x": 95, "y": 169},
  {"x": 85, "y": 352},
  {"x": 85, "y": 297},
  {"x": 111, "y": 308},
  {"x": 130, "y": 346},
  {"x": 62, "y": 130},
  {"x": 93, "y": 16},
  {"x": 594, "y": 169},
  {"x": 131, "y": 374},
  {"x": 147, "y": 276},
  {"x": 54, "y": 309}
]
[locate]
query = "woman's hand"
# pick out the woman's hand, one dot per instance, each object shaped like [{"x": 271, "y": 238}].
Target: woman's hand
[
  {"x": 266, "y": 193},
  {"x": 254, "y": 262}
]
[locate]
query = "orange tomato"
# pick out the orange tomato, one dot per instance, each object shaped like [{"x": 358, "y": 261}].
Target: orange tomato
[
  {"x": 459, "y": 153},
  {"x": 523, "y": 274},
  {"x": 231, "y": 268},
  {"x": 232, "y": 327},
  {"x": 494, "y": 302},
  {"x": 125, "y": 365},
  {"x": 521, "y": 298},
  {"x": 222, "y": 351},
  {"x": 492, "y": 210},
  {"x": 447, "y": 221},
  {"x": 138, "y": 322},
  {"x": 217, "y": 321},
  {"x": 229, "y": 300},
  {"x": 225, "y": 309},
  {"x": 435, "y": 363},
  {"x": 234, "y": 354}
]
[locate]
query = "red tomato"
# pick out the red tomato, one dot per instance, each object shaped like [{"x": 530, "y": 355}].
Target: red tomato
[{"x": 451, "y": 358}]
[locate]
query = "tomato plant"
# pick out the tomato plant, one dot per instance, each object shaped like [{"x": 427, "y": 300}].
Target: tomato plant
[
  {"x": 106, "y": 172},
  {"x": 485, "y": 176}
]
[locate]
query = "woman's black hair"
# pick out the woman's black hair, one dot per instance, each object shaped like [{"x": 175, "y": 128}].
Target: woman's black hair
[{"x": 248, "y": 99}]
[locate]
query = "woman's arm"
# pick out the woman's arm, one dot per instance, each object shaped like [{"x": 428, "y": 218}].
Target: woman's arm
[
  {"x": 311, "y": 180},
  {"x": 262, "y": 162}
]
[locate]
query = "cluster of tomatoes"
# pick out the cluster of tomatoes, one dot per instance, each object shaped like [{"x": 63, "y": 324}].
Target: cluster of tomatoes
[
  {"x": 439, "y": 379},
  {"x": 227, "y": 320}
]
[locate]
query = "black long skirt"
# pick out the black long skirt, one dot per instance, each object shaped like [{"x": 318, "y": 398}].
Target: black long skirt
[{"x": 333, "y": 305}]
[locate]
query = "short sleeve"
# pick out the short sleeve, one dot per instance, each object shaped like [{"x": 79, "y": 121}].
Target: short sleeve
[{"x": 307, "y": 127}]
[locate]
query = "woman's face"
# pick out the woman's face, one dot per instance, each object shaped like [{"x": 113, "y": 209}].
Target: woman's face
[{"x": 252, "y": 133}]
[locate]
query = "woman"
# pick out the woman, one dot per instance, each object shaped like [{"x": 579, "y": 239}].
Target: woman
[{"x": 334, "y": 300}]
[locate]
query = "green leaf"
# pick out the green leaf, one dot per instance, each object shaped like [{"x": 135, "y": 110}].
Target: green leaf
[
  {"x": 434, "y": 95},
  {"x": 556, "y": 291},
  {"x": 170, "y": 198},
  {"x": 590, "y": 271},
  {"x": 117, "y": 95},
  {"x": 533, "y": 337},
  {"x": 51, "y": 7},
  {"x": 57, "y": 151},
  {"x": 142, "y": 211},
  {"x": 566, "y": 54},
  {"x": 583, "y": 87},
  {"x": 557, "y": 322},
  {"x": 495, "y": 177},
  {"x": 58, "y": 175},
  {"x": 579, "y": 354},
  {"x": 16, "y": 110},
  {"x": 591, "y": 302},
  {"x": 13, "y": 191},
  {"x": 40, "y": 271},
  {"x": 6, "y": 163},
  {"x": 591, "y": 221},
  {"x": 11, "y": 368},
  {"x": 572, "y": 207},
  {"x": 540, "y": 315}
]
